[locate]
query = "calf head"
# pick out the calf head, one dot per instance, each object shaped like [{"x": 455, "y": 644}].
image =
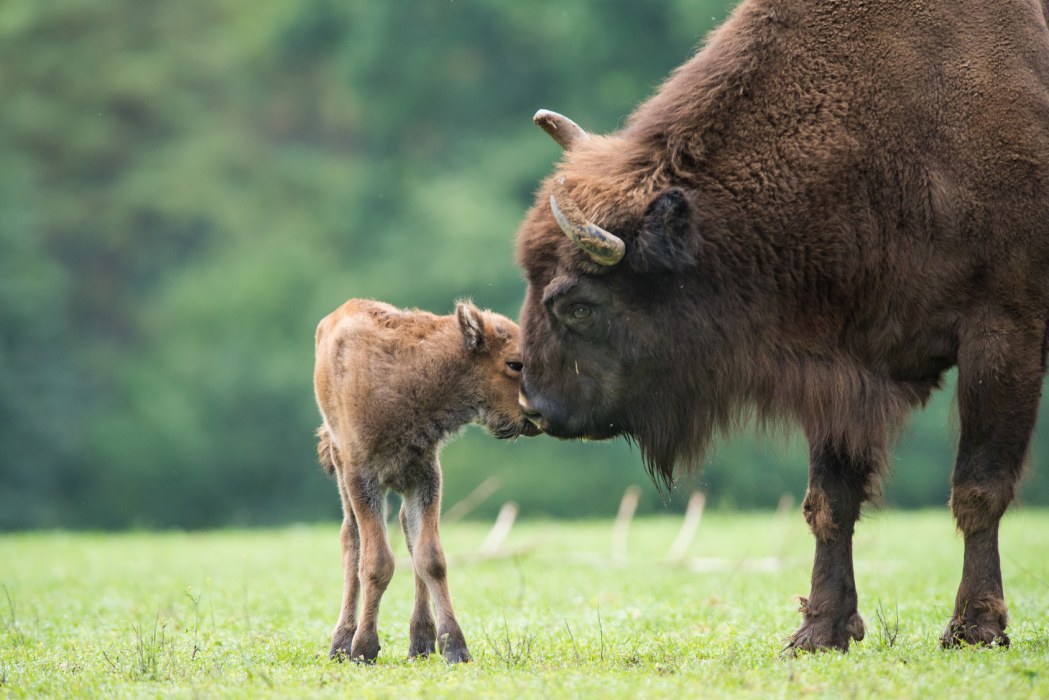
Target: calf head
[{"x": 493, "y": 350}]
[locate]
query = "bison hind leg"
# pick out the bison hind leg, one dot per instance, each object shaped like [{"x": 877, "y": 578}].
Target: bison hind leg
[{"x": 1001, "y": 365}]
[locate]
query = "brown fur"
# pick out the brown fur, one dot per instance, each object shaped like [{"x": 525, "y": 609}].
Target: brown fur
[
  {"x": 818, "y": 514},
  {"x": 977, "y": 508},
  {"x": 392, "y": 385},
  {"x": 825, "y": 209},
  {"x": 981, "y": 620}
]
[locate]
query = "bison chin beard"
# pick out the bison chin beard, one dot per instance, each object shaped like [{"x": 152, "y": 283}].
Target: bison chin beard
[{"x": 671, "y": 440}]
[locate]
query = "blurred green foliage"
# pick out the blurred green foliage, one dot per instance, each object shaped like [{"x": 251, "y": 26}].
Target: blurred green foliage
[{"x": 188, "y": 187}]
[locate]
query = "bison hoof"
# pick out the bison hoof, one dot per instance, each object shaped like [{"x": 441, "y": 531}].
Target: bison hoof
[
  {"x": 981, "y": 620},
  {"x": 977, "y": 630},
  {"x": 822, "y": 634},
  {"x": 340, "y": 644},
  {"x": 453, "y": 648}
]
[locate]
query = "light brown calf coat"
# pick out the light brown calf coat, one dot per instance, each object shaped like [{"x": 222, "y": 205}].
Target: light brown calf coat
[{"x": 391, "y": 386}]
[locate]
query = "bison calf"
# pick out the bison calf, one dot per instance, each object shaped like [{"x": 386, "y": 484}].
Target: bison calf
[{"x": 391, "y": 386}]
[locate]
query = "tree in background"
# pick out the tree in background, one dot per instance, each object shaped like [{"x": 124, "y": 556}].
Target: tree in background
[{"x": 188, "y": 188}]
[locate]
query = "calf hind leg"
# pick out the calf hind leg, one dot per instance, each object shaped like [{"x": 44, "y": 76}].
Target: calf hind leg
[
  {"x": 422, "y": 629},
  {"x": 422, "y": 514},
  {"x": 376, "y": 562},
  {"x": 345, "y": 628},
  {"x": 838, "y": 485},
  {"x": 999, "y": 386}
]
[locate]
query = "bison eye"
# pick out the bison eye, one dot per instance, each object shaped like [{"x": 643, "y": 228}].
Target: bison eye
[
  {"x": 514, "y": 365},
  {"x": 580, "y": 313}
]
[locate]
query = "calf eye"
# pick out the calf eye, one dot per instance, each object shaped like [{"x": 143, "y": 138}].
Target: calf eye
[
  {"x": 514, "y": 365},
  {"x": 581, "y": 313}
]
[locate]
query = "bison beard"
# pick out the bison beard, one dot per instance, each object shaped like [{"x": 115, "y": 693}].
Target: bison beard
[{"x": 810, "y": 222}]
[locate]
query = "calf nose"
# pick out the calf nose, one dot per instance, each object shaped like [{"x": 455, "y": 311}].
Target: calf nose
[{"x": 526, "y": 408}]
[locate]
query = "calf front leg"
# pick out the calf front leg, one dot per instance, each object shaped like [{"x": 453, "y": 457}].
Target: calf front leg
[
  {"x": 1000, "y": 373},
  {"x": 422, "y": 514},
  {"x": 838, "y": 485},
  {"x": 422, "y": 629},
  {"x": 345, "y": 628},
  {"x": 376, "y": 561}
]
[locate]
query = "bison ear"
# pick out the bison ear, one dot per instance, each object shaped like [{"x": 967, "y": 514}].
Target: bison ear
[
  {"x": 665, "y": 242},
  {"x": 471, "y": 323}
]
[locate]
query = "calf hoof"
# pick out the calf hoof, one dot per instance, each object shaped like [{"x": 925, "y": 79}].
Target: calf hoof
[
  {"x": 420, "y": 647},
  {"x": 340, "y": 643},
  {"x": 453, "y": 648},
  {"x": 982, "y": 623},
  {"x": 826, "y": 633},
  {"x": 365, "y": 648},
  {"x": 422, "y": 637}
]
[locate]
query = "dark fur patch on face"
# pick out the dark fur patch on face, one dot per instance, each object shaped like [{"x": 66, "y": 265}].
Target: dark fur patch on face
[{"x": 665, "y": 242}]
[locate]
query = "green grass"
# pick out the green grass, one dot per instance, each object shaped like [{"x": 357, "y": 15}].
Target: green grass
[{"x": 248, "y": 614}]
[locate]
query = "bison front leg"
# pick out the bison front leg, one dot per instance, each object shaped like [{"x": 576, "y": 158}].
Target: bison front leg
[
  {"x": 422, "y": 514},
  {"x": 838, "y": 485},
  {"x": 1000, "y": 373}
]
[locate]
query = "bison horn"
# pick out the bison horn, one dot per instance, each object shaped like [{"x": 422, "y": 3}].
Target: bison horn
[
  {"x": 602, "y": 247},
  {"x": 561, "y": 129}
]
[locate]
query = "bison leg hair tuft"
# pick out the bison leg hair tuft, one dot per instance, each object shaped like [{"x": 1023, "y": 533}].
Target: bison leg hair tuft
[{"x": 981, "y": 622}]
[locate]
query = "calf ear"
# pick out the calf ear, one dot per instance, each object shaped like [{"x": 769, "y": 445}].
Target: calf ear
[
  {"x": 666, "y": 242},
  {"x": 471, "y": 322}
]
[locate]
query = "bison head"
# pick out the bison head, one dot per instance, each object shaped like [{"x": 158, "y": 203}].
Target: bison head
[{"x": 610, "y": 254}]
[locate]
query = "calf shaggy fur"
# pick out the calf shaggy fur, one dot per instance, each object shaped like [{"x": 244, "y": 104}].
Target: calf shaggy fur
[{"x": 391, "y": 385}]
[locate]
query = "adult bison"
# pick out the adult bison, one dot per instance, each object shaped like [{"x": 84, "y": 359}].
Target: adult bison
[{"x": 814, "y": 218}]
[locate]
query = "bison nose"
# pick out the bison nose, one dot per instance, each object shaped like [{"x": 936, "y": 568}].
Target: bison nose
[{"x": 529, "y": 412}]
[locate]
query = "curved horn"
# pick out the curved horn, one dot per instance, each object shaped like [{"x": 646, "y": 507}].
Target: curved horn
[
  {"x": 561, "y": 129},
  {"x": 602, "y": 247}
]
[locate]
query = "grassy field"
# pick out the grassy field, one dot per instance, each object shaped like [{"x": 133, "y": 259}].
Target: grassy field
[{"x": 248, "y": 614}]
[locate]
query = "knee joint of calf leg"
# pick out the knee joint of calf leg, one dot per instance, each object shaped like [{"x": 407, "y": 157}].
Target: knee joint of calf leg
[
  {"x": 380, "y": 569},
  {"x": 431, "y": 563}
]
